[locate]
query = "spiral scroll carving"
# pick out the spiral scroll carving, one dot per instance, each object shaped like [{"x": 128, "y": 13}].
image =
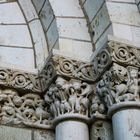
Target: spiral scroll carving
[{"x": 19, "y": 80}]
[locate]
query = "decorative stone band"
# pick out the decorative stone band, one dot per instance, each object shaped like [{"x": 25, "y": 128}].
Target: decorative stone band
[
  {"x": 63, "y": 66},
  {"x": 38, "y": 83},
  {"x": 24, "y": 110},
  {"x": 19, "y": 80},
  {"x": 120, "y": 53}
]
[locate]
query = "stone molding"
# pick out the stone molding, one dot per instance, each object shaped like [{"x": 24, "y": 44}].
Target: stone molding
[
  {"x": 58, "y": 65},
  {"x": 55, "y": 65},
  {"x": 19, "y": 80},
  {"x": 118, "y": 52},
  {"x": 68, "y": 88}
]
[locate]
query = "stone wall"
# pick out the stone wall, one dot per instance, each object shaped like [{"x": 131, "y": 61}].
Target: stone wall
[
  {"x": 22, "y": 42},
  {"x": 112, "y": 17},
  {"x": 138, "y": 3},
  {"x": 13, "y": 133},
  {"x": 65, "y": 27}
]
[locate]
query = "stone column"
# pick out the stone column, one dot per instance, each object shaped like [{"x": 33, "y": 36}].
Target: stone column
[
  {"x": 72, "y": 130},
  {"x": 68, "y": 101},
  {"x": 116, "y": 68},
  {"x": 126, "y": 123},
  {"x": 120, "y": 91},
  {"x": 101, "y": 127}
]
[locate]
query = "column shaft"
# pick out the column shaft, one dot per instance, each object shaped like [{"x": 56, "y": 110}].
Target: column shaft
[
  {"x": 72, "y": 130},
  {"x": 126, "y": 124}
]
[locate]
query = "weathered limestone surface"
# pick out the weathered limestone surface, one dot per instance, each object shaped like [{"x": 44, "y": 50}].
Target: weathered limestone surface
[
  {"x": 120, "y": 18},
  {"x": 59, "y": 89},
  {"x": 72, "y": 130},
  {"x": 126, "y": 124},
  {"x": 43, "y": 135},
  {"x": 116, "y": 70},
  {"x": 101, "y": 130},
  {"x": 11, "y": 133}
]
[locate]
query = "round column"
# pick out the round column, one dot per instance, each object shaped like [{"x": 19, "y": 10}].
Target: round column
[
  {"x": 69, "y": 105},
  {"x": 72, "y": 130},
  {"x": 126, "y": 121}
]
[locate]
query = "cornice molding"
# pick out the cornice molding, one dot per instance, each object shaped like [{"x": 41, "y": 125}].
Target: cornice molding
[
  {"x": 58, "y": 65},
  {"x": 19, "y": 80},
  {"x": 115, "y": 52}
]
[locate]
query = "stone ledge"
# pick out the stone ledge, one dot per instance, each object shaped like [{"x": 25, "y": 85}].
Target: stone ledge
[
  {"x": 58, "y": 65},
  {"x": 117, "y": 51}
]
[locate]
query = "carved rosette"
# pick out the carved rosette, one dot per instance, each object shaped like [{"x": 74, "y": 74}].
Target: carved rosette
[{"x": 100, "y": 63}]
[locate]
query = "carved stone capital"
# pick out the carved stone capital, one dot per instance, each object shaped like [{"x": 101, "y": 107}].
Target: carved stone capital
[
  {"x": 119, "y": 85},
  {"x": 116, "y": 70},
  {"x": 58, "y": 65},
  {"x": 97, "y": 108},
  {"x": 69, "y": 98}
]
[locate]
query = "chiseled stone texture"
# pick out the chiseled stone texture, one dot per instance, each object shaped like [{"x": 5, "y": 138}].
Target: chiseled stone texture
[
  {"x": 101, "y": 130},
  {"x": 11, "y": 133},
  {"x": 43, "y": 135},
  {"x": 67, "y": 8},
  {"x": 28, "y": 9},
  {"x": 18, "y": 57},
  {"x": 92, "y": 7}
]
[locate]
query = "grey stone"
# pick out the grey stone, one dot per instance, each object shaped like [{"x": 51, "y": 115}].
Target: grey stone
[
  {"x": 44, "y": 135},
  {"x": 10, "y": 133}
]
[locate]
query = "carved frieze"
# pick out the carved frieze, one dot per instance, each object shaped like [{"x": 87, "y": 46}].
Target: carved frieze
[
  {"x": 67, "y": 67},
  {"x": 124, "y": 54},
  {"x": 19, "y": 80},
  {"x": 28, "y": 109}
]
